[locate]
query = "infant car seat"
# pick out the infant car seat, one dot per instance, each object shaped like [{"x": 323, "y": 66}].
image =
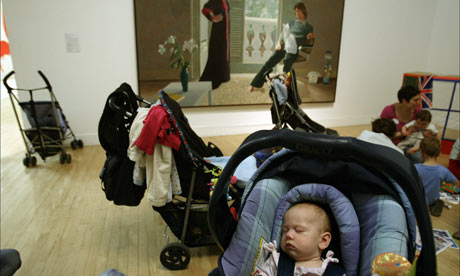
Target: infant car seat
[{"x": 381, "y": 184}]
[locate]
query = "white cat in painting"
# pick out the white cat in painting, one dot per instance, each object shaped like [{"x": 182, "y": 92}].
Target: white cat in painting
[{"x": 290, "y": 45}]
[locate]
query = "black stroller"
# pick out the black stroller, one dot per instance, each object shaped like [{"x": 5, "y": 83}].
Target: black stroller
[
  {"x": 384, "y": 194},
  {"x": 286, "y": 109},
  {"x": 48, "y": 125},
  {"x": 186, "y": 215}
]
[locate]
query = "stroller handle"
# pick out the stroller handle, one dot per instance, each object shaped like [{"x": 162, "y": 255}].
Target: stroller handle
[
  {"x": 222, "y": 224},
  {"x": 9, "y": 88},
  {"x": 270, "y": 79},
  {"x": 5, "y": 81},
  {"x": 114, "y": 106},
  {"x": 48, "y": 85}
]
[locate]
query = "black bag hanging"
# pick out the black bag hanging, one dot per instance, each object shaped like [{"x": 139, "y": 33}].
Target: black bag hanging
[{"x": 113, "y": 131}]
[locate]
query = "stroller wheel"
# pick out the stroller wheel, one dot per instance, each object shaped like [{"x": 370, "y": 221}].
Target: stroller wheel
[
  {"x": 62, "y": 158},
  {"x": 68, "y": 158},
  {"x": 80, "y": 143},
  {"x": 175, "y": 256},
  {"x": 26, "y": 161},
  {"x": 73, "y": 144},
  {"x": 33, "y": 161}
]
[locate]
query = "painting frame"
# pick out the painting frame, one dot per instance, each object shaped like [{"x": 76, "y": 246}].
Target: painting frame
[{"x": 325, "y": 16}]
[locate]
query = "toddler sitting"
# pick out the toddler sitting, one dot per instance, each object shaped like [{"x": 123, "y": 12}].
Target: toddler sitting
[
  {"x": 432, "y": 174},
  {"x": 414, "y": 131},
  {"x": 306, "y": 233}
]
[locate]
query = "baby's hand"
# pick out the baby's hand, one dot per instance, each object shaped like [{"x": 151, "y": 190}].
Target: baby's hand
[
  {"x": 412, "y": 150},
  {"x": 428, "y": 133},
  {"x": 411, "y": 129}
]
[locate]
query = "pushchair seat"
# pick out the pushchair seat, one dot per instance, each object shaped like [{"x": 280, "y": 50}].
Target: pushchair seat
[
  {"x": 44, "y": 126},
  {"x": 45, "y": 114}
]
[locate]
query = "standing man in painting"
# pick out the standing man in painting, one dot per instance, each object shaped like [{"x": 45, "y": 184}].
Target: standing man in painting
[
  {"x": 217, "y": 68},
  {"x": 302, "y": 31}
]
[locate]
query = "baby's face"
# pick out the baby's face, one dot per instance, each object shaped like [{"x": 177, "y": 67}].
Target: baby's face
[
  {"x": 301, "y": 234},
  {"x": 421, "y": 125}
]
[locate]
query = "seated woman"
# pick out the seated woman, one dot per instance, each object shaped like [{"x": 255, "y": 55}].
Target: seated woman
[
  {"x": 403, "y": 111},
  {"x": 301, "y": 31}
]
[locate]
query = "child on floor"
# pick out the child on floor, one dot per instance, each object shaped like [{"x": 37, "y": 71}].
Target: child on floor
[
  {"x": 383, "y": 130},
  {"x": 414, "y": 131},
  {"x": 432, "y": 174},
  {"x": 306, "y": 233}
]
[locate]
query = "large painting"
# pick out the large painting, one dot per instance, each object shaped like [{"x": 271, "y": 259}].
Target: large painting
[{"x": 255, "y": 27}]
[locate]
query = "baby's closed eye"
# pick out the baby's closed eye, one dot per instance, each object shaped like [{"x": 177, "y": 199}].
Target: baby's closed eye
[{"x": 300, "y": 229}]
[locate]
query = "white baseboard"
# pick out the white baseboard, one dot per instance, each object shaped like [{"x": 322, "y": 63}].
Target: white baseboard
[
  {"x": 88, "y": 139},
  {"x": 217, "y": 128}
]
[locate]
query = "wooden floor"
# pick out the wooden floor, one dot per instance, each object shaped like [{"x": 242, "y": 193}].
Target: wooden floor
[{"x": 59, "y": 220}]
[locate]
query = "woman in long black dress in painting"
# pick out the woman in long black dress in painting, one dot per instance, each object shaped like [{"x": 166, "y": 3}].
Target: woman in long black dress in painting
[{"x": 217, "y": 68}]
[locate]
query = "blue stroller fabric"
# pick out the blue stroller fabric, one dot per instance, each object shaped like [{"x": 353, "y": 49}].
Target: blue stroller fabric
[
  {"x": 42, "y": 120},
  {"x": 281, "y": 91},
  {"x": 383, "y": 228},
  {"x": 45, "y": 114},
  {"x": 255, "y": 224}
]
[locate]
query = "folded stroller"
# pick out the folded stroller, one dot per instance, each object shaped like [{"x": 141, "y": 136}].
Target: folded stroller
[
  {"x": 48, "y": 125},
  {"x": 286, "y": 109},
  {"x": 384, "y": 194}
]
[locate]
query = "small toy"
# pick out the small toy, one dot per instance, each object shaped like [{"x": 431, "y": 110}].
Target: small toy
[
  {"x": 216, "y": 173},
  {"x": 390, "y": 264},
  {"x": 450, "y": 188}
]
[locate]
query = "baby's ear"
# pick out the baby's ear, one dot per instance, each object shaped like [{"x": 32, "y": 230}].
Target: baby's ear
[{"x": 325, "y": 240}]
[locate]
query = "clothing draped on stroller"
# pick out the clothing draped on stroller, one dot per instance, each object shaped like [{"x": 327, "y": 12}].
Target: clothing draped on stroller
[
  {"x": 183, "y": 208},
  {"x": 48, "y": 125},
  {"x": 186, "y": 217},
  {"x": 384, "y": 194}
]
